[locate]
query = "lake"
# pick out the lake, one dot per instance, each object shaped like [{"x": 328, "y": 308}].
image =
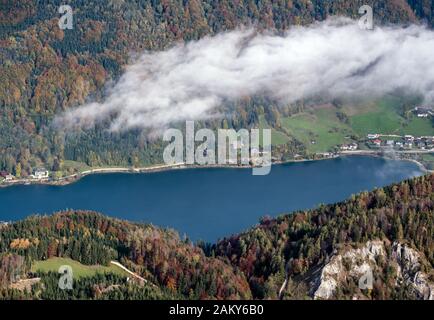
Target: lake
[{"x": 209, "y": 203}]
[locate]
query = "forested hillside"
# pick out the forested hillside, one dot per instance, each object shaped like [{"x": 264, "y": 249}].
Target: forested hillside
[
  {"x": 296, "y": 245},
  {"x": 45, "y": 70},
  {"x": 178, "y": 267},
  {"x": 287, "y": 254}
]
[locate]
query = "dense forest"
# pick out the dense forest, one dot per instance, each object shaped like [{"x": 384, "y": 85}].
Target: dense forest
[
  {"x": 253, "y": 264},
  {"x": 295, "y": 244},
  {"x": 92, "y": 239},
  {"x": 45, "y": 70}
]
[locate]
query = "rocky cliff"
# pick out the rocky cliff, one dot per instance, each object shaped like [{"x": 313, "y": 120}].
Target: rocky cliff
[{"x": 363, "y": 265}]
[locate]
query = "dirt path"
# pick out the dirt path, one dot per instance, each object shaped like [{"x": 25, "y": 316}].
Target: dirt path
[
  {"x": 283, "y": 287},
  {"x": 135, "y": 275}
]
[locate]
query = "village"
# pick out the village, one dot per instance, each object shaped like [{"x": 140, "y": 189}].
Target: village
[
  {"x": 394, "y": 142},
  {"x": 376, "y": 143},
  {"x": 406, "y": 142}
]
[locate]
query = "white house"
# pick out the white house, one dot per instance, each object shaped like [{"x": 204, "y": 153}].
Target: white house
[
  {"x": 377, "y": 142},
  {"x": 408, "y": 145},
  {"x": 372, "y": 136},
  {"x": 353, "y": 146},
  {"x": 408, "y": 138},
  {"x": 423, "y": 112},
  {"x": 41, "y": 173},
  {"x": 345, "y": 147}
]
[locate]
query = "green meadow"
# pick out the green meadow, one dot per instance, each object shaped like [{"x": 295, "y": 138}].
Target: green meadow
[
  {"x": 383, "y": 117},
  {"x": 418, "y": 127},
  {"x": 321, "y": 129},
  {"x": 79, "y": 270}
]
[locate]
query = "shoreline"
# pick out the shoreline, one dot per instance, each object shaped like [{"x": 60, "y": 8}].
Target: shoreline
[{"x": 182, "y": 166}]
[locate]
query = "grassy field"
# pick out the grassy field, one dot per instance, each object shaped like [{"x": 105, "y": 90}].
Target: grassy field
[
  {"x": 383, "y": 118},
  {"x": 321, "y": 126},
  {"x": 79, "y": 270},
  {"x": 419, "y": 127}
]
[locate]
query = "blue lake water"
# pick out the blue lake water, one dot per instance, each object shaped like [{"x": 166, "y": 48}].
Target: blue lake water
[{"x": 209, "y": 203}]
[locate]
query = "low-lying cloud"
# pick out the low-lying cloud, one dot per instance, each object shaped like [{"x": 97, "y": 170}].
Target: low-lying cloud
[{"x": 192, "y": 81}]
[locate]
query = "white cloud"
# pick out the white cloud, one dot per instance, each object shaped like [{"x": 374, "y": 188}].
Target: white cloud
[{"x": 191, "y": 81}]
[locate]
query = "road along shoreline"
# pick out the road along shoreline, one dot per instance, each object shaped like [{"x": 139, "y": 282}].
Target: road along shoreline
[{"x": 181, "y": 166}]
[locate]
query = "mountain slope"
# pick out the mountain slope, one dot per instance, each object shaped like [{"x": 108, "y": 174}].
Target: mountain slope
[
  {"x": 297, "y": 246},
  {"x": 45, "y": 70},
  {"x": 158, "y": 255}
]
